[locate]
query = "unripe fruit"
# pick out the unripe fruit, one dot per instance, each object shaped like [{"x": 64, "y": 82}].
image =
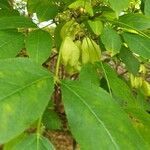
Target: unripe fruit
[
  {"x": 71, "y": 28},
  {"x": 85, "y": 52},
  {"x": 90, "y": 51},
  {"x": 146, "y": 88},
  {"x": 136, "y": 82},
  {"x": 70, "y": 53},
  {"x": 142, "y": 69}
]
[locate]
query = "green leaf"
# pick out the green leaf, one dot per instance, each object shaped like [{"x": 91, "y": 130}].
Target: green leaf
[
  {"x": 136, "y": 21},
  {"x": 51, "y": 120},
  {"x": 147, "y": 8},
  {"x": 118, "y": 5},
  {"x": 129, "y": 60},
  {"x": 138, "y": 44},
  {"x": 44, "y": 9},
  {"x": 13, "y": 22},
  {"x": 4, "y": 4},
  {"x": 39, "y": 45},
  {"x": 29, "y": 142},
  {"x": 89, "y": 75},
  {"x": 11, "y": 42},
  {"x": 46, "y": 12},
  {"x": 96, "y": 26},
  {"x": 84, "y": 4},
  {"x": 8, "y": 13},
  {"x": 141, "y": 121},
  {"x": 111, "y": 40},
  {"x": 100, "y": 123},
  {"x": 25, "y": 90},
  {"x": 120, "y": 90}
]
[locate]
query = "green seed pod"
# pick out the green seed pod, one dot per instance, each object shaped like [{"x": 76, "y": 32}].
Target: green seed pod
[
  {"x": 146, "y": 88},
  {"x": 72, "y": 70},
  {"x": 90, "y": 51},
  {"x": 136, "y": 82},
  {"x": 85, "y": 52},
  {"x": 70, "y": 28},
  {"x": 70, "y": 53},
  {"x": 142, "y": 69}
]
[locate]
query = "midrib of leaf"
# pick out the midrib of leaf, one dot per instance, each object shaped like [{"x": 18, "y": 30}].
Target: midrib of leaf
[
  {"x": 28, "y": 144},
  {"x": 94, "y": 114},
  {"x": 142, "y": 33},
  {"x": 22, "y": 88}
]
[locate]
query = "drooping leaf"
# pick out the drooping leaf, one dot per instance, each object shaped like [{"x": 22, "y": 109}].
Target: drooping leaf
[
  {"x": 39, "y": 45},
  {"x": 100, "y": 123},
  {"x": 29, "y": 142},
  {"x": 11, "y": 42},
  {"x": 138, "y": 44},
  {"x": 25, "y": 90},
  {"x": 147, "y": 8},
  {"x": 118, "y": 5},
  {"x": 131, "y": 62},
  {"x": 12, "y": 22},
  {"x": 111, "y": 40},
  {"x": 120, "y": 89},
  {"x": 136, "y": 21}
]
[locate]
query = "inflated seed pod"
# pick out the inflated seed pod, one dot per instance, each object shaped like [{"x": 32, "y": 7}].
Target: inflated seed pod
[
  {"x": 136, "y": 82},
  {"x": 85, "y": 51},
  {"x": 146, "y": 88},
  {"x": 90, "y": 51},
  {"x": 70, "y": 52}
]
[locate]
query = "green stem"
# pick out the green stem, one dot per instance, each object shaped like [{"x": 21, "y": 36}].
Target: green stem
[{"x": 56, "y": 78}]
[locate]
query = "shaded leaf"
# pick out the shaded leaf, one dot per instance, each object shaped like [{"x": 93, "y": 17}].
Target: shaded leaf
[
  {"x": 131, "y": 62},
  {"x": 51, "y": 120},
  {"x": 120, "y": 89},
  {"x": 138, "y": 44}
]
